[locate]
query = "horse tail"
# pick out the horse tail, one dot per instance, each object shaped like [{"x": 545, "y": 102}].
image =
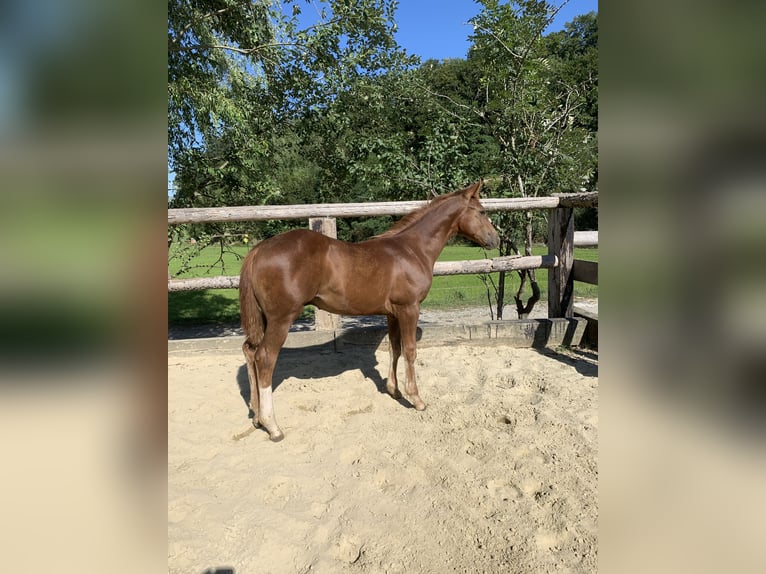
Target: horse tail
[{"x": 251, "y": 313}]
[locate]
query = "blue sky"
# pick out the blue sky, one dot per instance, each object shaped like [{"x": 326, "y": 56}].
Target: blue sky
[{"x": 439, "y": 29}]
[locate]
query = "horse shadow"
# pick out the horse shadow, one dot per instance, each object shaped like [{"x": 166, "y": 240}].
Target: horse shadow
[{"x": 350, "y": 351}]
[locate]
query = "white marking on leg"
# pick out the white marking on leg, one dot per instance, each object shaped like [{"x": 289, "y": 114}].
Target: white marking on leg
[
  {"x": 267, "y": 407},
  {"x": 267, "y": 417}
]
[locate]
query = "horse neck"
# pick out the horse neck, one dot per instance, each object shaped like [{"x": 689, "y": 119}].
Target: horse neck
[{"x": 431, "y": 233}]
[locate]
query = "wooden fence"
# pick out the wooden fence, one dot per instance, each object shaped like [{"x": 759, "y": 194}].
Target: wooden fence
[{"x": 561, "y": 241}]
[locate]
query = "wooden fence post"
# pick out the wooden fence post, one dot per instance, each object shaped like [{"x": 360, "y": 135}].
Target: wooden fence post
[
  {"x": 324, "y": 321},
  {"x": 561, "y": 278}
]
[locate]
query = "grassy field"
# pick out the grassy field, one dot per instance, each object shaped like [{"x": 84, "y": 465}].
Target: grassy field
[
  {"x": 470, "y": 290},
  {"x": 222, "y": 305}
]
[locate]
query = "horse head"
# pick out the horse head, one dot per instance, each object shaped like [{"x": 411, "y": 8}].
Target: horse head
[{"x": 473, "y": 223}]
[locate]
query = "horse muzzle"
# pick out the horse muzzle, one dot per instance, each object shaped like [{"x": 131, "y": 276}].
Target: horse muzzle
[{"x": 492, "y": 241}]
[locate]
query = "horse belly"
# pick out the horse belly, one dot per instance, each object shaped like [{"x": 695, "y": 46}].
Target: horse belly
[
  {"x": 342, "y": 304},
  {"x": 355, "y": 286}
]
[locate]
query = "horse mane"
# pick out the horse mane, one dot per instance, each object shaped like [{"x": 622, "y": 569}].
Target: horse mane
[{"x": 411, "y": 218}]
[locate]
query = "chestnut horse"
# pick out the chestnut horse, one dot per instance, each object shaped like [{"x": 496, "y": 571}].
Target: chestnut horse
[{"x": 389, "y": 274}]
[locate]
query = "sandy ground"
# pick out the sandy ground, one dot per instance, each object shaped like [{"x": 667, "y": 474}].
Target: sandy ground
[{"x": 498, "y": 474}]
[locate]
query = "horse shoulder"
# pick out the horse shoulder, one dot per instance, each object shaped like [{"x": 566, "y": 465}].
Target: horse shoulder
[{"x": 410, "y": 269}]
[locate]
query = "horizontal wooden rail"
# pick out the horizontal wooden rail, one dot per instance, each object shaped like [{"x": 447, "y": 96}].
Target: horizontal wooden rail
[
  {"x": 266, "y": 212},
  {"x": 511, "y": 263},
  {"x": 441, "y": 268},
  {"x": 586, "y": 238},
  {"x": 584, "y": 199},
  {"x": 200, "y": 283},
  {"x": 585, "y": 271}
]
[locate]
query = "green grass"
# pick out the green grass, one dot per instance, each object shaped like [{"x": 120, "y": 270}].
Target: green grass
[
  {"x": 222, "y": 305},
  {"x": 210, "y": 305},
  {"x": 470, "y": 290}
]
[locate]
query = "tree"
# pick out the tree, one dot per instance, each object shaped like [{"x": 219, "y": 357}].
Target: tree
[
  {"x": 574, "y": 54},
  {"x": 243, "y": 76},
  {"x": 529, "y": 103},
  {"x": 382, "y": 140}
]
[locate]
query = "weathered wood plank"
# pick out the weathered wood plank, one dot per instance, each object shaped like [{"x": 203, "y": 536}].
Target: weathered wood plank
[
  {"x": 323, "y": 320},
  {"x": 586, "y": 238},
  {"x": 441, "y": 268},
  {"x": 325, "y": 225},
  {"x": 590, "y": 336},
  {"x": 585, "y": 271},
  {"x": 584, "y": 199},
  {"x": 200, "y": 283},
  {"x": 536, "y": 333},
  {"x": 266, "y": 212},
  {"x": 560, "y": 278},
  {"x": 585, "y": 311},
  {"x": 510, "y": 263}
]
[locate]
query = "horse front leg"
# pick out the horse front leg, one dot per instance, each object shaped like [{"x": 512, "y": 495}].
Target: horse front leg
[
  {"x": 394, "y": 351},
  {"x": 408, "y": 322}
]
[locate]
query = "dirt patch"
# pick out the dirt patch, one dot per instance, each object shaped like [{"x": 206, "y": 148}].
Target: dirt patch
[{"x": 498, "y": 474}]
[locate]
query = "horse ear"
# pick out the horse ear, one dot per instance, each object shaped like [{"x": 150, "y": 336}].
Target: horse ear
[{"x": 473, "y": 189}]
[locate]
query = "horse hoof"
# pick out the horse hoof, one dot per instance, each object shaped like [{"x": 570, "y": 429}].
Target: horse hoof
[
  {"x": 419, "y": 405},
  {"x": 276, "y": 437}
]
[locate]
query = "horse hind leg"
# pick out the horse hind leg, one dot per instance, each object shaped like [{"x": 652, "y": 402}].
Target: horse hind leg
[
  {"x": 265, "y": 360},
  {"x": 249, "y": 351}
]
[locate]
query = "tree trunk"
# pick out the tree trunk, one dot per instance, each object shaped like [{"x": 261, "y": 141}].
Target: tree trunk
[{"x": 522, "y": 310}]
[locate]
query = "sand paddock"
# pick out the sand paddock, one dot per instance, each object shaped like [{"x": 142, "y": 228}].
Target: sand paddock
[{"x": 498, "y": 474}]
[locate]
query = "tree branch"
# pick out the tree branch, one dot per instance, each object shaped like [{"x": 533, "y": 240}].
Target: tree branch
[
  {"x": 471, "y": 109},
  {"x": 503, "y": 44},
  {"x": 245, "y": 51},
  {"x": 535, "y": 37}
]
